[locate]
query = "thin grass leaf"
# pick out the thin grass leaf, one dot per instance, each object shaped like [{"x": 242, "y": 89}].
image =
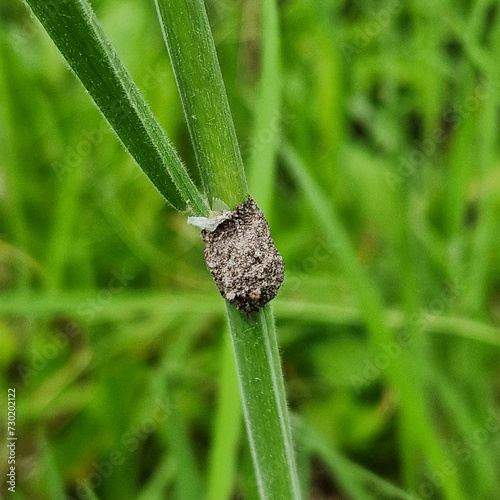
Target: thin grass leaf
[
  {"x": 163, "y": 475},
  {"x": 266, "y": 133},
  {"x": 127, "y": 306},
  {"x": 227, "y": 430},
  {"x": 359, "y": 483},
  {"x": 12, "y": 120},
  {"x": 189, "y": 483},
  {"x": 199, "y": 80},
  {"x": 409, "y": 386},
  {"x": 463, "y": 418},
  {"x": 77, "y": 33},
  {"x": 53, "y": 483},
  {"x": 480, "y": 264},
  {"x": 89, "y": 492},
  {"x": 66, "y": 218}
]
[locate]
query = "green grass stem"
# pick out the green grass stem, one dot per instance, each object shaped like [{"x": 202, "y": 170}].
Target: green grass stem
[
  {"x": 264, "y": 404},
  {"x": 199, "y": 79},
  {"x": 192, "y": 53}
]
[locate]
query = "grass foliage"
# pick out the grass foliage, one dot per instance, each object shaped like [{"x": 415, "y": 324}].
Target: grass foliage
[{"x": 379, "y": 140}]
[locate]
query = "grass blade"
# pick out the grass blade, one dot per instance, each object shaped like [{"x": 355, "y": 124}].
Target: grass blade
[
  {"x": 199, "y": 79},
  {"x": 189, "y": 483},
  {"x": 79, "y": 36},
  {"x": 125, "y": 307},
  {"x": 358, "y": 482},
  {"x": 192, "y": 52},
  {"x": 53, "y": 483},
  {"x": 372, "y": 308},
  {"x": 227, "y": 430},
  {"x": 163, "y": 475},
  {"x": 266, "y": 132}
]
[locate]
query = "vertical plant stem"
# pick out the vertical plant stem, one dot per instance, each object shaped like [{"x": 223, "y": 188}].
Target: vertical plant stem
[
  {"x": 192, "y": 52},
  {"x": 199, "y": 80},
  {"x": 194, "y": 59},
  {"x": 264, "y": 404}
]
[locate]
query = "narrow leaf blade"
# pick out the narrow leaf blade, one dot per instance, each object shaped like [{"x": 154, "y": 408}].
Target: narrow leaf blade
[{"x": 77, "y": 33}]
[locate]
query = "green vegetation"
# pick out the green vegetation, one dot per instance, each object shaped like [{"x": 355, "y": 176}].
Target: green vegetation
[
  {"x": 75, "y": 30},
  {"x": 369, "y": 133}
]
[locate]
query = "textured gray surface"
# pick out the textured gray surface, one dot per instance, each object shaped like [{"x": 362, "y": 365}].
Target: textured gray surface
[{"x": 245, "y": 264}]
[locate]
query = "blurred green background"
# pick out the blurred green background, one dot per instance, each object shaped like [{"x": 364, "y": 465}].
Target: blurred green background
[{"x": 384, "y": 121}]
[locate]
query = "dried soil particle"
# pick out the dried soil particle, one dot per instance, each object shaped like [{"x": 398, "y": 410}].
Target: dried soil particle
[{"x": 242, "y": 258}]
